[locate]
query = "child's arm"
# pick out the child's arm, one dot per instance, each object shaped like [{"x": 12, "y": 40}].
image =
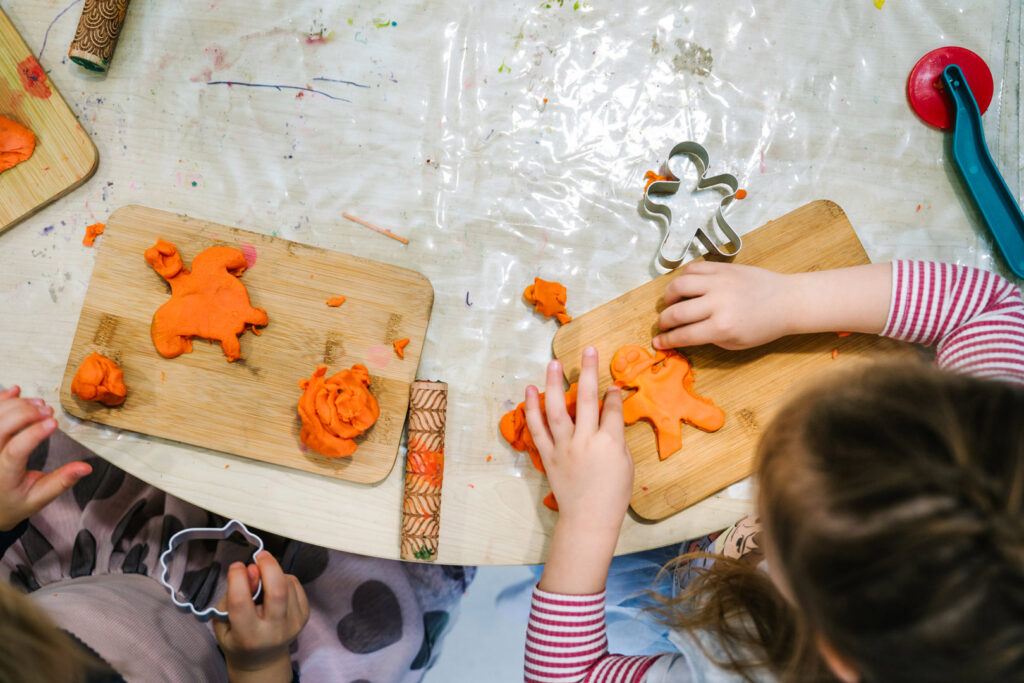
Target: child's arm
[{"x": 591, "y": 474}]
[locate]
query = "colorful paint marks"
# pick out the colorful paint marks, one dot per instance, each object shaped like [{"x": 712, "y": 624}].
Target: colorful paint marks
[{"x": 33, "y": 78}]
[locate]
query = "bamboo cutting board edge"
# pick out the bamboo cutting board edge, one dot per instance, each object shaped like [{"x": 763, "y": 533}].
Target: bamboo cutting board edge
[
  {"x": 815, "y": 236},
  {"x": 30, "y": 175},
  {"x": 304, "y": 322}
]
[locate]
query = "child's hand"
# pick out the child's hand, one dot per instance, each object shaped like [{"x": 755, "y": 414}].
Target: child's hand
[
  {"x": 255, "y": 640},
  {"x": 24, "y": 424},
  {"x": 588, "y": 465},
  {"x": 733, "y": 306}
]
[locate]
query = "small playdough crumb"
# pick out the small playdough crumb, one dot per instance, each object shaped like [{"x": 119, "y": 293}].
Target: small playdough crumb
[
  {"x": 741, "y": 194},
  {"x": 208, "y": 302},
  {"x": 335, "y": 410},
  {"x": 548, "y": 299},
  {"x": 835, "y": 353},
  {"x": 550, "y": 502},
  {"x": 92, "y": 232},
  {"x": 336, "y": 301},
  {"x": 99, "y": 379},
  {"x": 651, "y": 177},
  {"x": 400, "y": 347},
  {"x": 842, "y": 334},
  {"x": 16, "y": 143},
  {"x": 664, "y": 395}
]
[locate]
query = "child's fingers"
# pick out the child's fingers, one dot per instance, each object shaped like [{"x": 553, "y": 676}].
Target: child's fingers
[
  {"x": 298, "y": 598},
  {"x": 10, "y": 392},
  {"x": 685, "y": 313},
  {"x": 17, "y": 415},
  {"x": 586, "y": 393},
  {"x": 689, "y": 335},
  {"x": 47, "y": 487},
  {"x": 554, "y": 404},
  {"x": 275, "y": 586},
  {"x": 611, "y": 414},
  {"x": 254, "y": 577},
  {"x": 685, "y": 286},
  {"x": 14, "y": 457},
  {"x": 535, "y": 422},
  {"x": 238, "y": 600}
]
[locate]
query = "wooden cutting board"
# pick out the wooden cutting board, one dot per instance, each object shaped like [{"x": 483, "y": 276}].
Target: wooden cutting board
[
  {"x": 749, "y": 385},
  {"x": 249, "y": 407},
  {"x": 64, "y": 156}
]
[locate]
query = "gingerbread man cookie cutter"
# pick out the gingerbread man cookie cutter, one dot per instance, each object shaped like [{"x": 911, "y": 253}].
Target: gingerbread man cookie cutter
[
  {"x": 700, "y": 159},
  {"x": 200, "y": 533}
]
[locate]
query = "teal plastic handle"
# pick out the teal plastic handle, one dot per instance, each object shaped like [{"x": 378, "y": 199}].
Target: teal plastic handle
[{"x": 997, "y": 204}]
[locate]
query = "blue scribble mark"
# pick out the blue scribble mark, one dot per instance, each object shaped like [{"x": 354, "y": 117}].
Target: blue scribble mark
[
  {"x": 48, "y": 229},
  {"x": 467, "y": 299},
  {"x": 338, "y": 80},
  {"x": 278, "y": 87},
  {"x": 47, "y": 34}
]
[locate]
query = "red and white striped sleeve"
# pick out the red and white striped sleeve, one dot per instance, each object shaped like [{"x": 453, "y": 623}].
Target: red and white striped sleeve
[
  {"x": 566, "y": 641},
  {"x": 974, "y": 318}
]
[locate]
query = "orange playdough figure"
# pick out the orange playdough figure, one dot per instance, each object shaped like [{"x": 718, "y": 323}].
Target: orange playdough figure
[
  {"x": 665, "y": 396},
  {"x": 400, "y": 347},
  {"x": 92, "y": 232},
  {"x": 16, "y": 143},
  {"x": 208, "y": 302},
  {"x": 336, "y": 301},
  {"x": 548, "y": 298},
  {"x": 99, "y": 379},
  {"x": 335, "y": 410}
]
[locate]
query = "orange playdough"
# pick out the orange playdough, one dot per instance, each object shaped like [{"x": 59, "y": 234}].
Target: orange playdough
[
  {"x": 99, "y": 379},
  {"x": 400, "y": 347},
  {"x": 652, "y": 177},
  {"x": 336, "y": 301},
  {"x": 548, "y": 298},
  {"x": 664, "y": 395},
  {"x": 513, "y": 426},
  {"x": 335, "y": 410},
  {"x": 16, "y": 143},
  {"x": 92, "y": 232},
  {"x": 208, "y": 302}
]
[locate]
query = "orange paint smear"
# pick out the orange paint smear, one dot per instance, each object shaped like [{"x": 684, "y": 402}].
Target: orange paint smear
[
  {"x": 209, "y": 302},
  {"x": 548, "y": 299},
  {"x": 652, "y": 177},
  {"x": 664, "y": 395},
  {"x": 92, "y": 232},
  {"x": 424, "y": 465},
  {"x": 335, "y": 410},
  {"x": 16, "y": 143},
  {"x": 400, "y": 347},
  {"x": 741, "y": 194},
  {"x": 99, "y": 379},
  {"x": 33, "y": 78},
  {"x": 336, "y": 301}
]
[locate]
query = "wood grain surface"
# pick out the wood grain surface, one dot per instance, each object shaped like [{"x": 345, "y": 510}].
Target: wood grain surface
[
  {"x": 749, "y": 385},
  {"x": 64, "y": 157},
  {"x": 248, "y": 407}
]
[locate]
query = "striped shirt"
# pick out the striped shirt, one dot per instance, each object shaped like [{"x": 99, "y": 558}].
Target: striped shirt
[{"x": 974, "y": 318}]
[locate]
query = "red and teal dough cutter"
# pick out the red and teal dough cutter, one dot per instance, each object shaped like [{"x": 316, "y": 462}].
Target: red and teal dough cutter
[{"x": 950, "y": 88}]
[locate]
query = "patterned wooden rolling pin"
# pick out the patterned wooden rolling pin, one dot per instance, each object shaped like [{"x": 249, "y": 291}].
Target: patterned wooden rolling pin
[
  {"x": 98, "y": 30},
  {"x": 424, "y": 470}
]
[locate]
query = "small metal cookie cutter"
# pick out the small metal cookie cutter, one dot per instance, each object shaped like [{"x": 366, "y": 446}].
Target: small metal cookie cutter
[
  {"x": 699, "y": 156},
  {"x": 197, "y": 534}
]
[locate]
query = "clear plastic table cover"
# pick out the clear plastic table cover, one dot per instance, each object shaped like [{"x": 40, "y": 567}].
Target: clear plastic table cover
[{"x": 505, "y": 141}]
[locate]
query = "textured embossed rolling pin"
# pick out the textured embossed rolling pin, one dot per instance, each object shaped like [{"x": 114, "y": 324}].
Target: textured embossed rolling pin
[
  {"x": 98, "y": 30},
  {"x": 424, "y": 470}
]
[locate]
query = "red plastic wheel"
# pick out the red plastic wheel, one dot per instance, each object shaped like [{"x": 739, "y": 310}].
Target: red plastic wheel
[{"x": 927, "y": 94}]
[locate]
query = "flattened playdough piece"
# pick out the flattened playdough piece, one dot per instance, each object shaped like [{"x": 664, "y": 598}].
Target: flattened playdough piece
[
  {"x": 336, "y": 301},
  {"x": 99, "y": 379},
  {"x": 335, "y": 410},
  {"x": 16, "y": 143},
  {"x": 400, "y": 347},
  {"x": 92, "y": 232},
  {"x": 664, "y": 395},
  {"x": 548, "y": 299},
  {"x": 208, "y": 302}
]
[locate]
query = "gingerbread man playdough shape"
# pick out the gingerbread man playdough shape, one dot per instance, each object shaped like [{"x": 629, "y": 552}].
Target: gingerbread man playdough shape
[
  {"x": 208, "y": 302},
  {"x": 664, "y": 395}
]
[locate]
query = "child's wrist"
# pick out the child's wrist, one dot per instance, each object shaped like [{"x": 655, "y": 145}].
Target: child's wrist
[{"x": 271, "y": 667}]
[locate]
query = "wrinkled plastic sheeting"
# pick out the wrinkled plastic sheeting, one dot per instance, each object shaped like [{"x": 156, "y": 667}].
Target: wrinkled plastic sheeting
[{"x": 505, "y": 141}]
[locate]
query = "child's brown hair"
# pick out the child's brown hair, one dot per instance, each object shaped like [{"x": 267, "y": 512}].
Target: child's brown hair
[{"x": 893, "y": 505}]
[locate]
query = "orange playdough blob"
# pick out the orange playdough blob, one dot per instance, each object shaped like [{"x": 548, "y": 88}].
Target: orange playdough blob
[
  {"x": 99, "y": 379},
  {"x": 208, "y": 302},
  {"x": 16, "y": 143},
  {"x": 652, "y": 177},
  {"x": 548, "y": 298},
  {"x": 335, "y": 410},
  {"x": 664, "y": 395},
  {"x": 513, "y": 426},
  {"x": 336, "y": 301},
  {"x": 400, "y": 347},
  {"x": 92, "y": 232}
]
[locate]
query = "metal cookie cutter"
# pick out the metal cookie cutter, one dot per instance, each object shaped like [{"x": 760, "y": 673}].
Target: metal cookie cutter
[
  {"x": 699, "y": 156},
  {"x": 198, "y": 534}
]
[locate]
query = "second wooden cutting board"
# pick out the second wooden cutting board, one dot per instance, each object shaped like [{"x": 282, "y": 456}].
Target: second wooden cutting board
[
  {"x": 749, "y": 385},
  {"x": 248, "y": 407}
]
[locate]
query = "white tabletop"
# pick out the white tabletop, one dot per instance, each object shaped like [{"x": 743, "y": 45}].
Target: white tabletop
[{"x": 505, "y": 141}]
